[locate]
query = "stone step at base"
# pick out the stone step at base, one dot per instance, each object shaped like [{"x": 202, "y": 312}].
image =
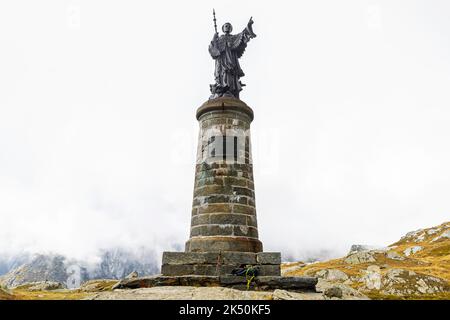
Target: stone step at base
[
  {"x": 227, "y": 257},
  {"x": 261, "y": 283},
  {"x": 214, "y": 269}
]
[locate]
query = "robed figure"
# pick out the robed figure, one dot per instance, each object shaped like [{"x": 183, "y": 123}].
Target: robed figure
[{"x": 226, "y": 51}]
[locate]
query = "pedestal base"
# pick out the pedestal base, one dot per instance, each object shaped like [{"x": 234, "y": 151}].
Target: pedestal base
[
  {"x": 219, "y": 263},
  {"x": 223, "y": 244},
  {"x": 263, "y": 283}
]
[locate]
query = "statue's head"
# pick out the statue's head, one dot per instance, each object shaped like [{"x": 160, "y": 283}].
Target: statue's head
[{"x": 227, "y": 28}]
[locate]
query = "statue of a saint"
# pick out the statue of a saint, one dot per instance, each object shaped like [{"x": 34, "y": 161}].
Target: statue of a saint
[{"x": 226, "y": 51}]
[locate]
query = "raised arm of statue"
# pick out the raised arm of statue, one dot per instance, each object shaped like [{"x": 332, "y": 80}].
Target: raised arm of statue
[
  {"x": 241, "y": 39},
  {"x": 249, "y": 29}
]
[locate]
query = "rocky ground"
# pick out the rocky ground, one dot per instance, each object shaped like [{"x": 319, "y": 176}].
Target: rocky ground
[{"x": 415, "y": 267}]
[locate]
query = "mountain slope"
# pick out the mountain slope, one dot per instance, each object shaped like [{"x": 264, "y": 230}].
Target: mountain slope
[
  {"x": 418, "y": 265},
  {"x": 112, "y": 264}
]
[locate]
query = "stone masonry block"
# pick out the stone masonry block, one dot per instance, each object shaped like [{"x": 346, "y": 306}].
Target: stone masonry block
[{"x": 269, "y": 258}]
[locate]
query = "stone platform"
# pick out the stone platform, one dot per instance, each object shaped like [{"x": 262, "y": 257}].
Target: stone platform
[
  {"x": 260, "y": 283},
  {"x": 219, "y": 263}
]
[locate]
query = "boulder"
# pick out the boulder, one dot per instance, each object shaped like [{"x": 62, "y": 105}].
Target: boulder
[
  {"x": 333, "y": 292},
  {"x": 394, "y": 256},
  {"x": 348, "y": 293},
  {"x": 360, "y": 247},
  {"x": 372, "y": 278},
  {"x": 360, "y": 257},
  {"x": 98, "y": 285},
  {"x": 132, "y": 275},
  {"x": 412, "y": 250},
  {"x": 443, "y": 235},
  {"x": 332, "y": 275},
  {"x": 403, "y": 282}
]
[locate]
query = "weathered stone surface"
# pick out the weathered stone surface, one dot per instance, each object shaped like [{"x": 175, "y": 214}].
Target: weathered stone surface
[
  {"x": 372, "y": 277},
  {"x": 243, "y": 191},
  {"x": 231, "y": 258},
  {"x": 360, "y": 257},
  {"x": 132, "y": 275},
  {"x": 208, "y": 181},
  {"x": 196, "y": 269},
  {"x": 394, "y": 255},
  {"x": 199, "y": 219},
  {"x": 42, "y": 286},
  {"x": 279, "y": 294},
  {"x": 244, "y": 209},
  {"x": 332, "y": 275},
  {"x": 233, "y": 181},
  {"x": 224, "y": 230},
  {"x": 218, "y": 243},
  {"x": 212, "y": 189},
  {"x": 217, "y": 207},
  {"x": 224, "y": 187},
  {"x": 183, "y": 293},
  {"x": 213, "y": 269},
  {"x": 348, "y": 293},
  {"x": 99, "y": 285},
  {"x": 287, "y": 283},
  {"x": 262, "y": 283},
  {"x": 269, "y": 258},
  {"x": 185, "y": 258},
  {"x": 403, "y": 282},
  {"x": 412, "y": 250},
  {"x": 228, "y": 218},
  {"x": 245, "y": 231},
  {"x": 212, "y": 230},
  {"x": 158, "y": 280},
  {"x": 333, "y": 292}
]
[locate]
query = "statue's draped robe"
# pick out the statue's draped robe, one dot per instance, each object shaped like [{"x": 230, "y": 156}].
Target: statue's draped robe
[{"x": 226, "y": 51}]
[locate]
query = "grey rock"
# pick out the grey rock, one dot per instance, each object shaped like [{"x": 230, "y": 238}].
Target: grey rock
[
  {"x": 403, "y": 282},
  {"x": 332, "y": 275},
  {"x": 348, "y": 293},
  {"x": 445, "y": 234},
  {"x": 360, "y": 257},
  {"x": 132, "y": 275},
  {"x": 42, "y": 286},
  {"x": 412, "y": 250},
  {"x": 394, "y": 256},
  {"x": 41, "y": 268},
  {"x": 359, "y": 247},
  {"x": 333, "y": 292},
  {"x": 372, "y": 278},
  {"x": 98, "y": 285}
]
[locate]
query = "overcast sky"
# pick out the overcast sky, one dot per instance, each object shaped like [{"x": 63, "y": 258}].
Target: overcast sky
[{"x": 98, "y": 130}]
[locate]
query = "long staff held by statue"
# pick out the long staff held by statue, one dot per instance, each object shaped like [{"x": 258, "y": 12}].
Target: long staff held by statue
[{"x": 214, "y": 19}]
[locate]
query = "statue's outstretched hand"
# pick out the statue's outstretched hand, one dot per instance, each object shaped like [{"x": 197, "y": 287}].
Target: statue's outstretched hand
[{"x": 250, "y": 22}]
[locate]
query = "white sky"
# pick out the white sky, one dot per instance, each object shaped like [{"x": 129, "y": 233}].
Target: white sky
[{"x": 98, "y": 130}]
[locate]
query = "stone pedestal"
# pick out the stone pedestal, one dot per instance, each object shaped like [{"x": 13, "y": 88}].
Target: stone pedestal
[
  {"x": 224, "y": 230},
  {"x": 218, "y": 263}
]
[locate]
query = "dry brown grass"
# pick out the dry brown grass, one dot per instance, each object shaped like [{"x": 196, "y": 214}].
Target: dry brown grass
[
  {"x": 50, "y": 295},
  {"x": 432, "y": 260},
  {"x": 5, "y": 295}
]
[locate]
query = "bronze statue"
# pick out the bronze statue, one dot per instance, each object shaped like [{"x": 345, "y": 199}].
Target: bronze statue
[{"x": 226, "y": 51}]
